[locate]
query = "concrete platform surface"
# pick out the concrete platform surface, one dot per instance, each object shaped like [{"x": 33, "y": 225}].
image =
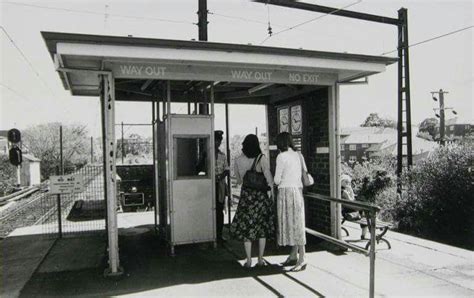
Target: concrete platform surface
[
  {"x": 411, "y": 268},
  {"x": 19, "y": 259}
]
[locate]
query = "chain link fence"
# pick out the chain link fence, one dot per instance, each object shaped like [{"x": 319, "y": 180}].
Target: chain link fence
[{"x": 79, "y": 213}]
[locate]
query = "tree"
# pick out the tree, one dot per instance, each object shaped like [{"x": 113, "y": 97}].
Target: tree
[
  {"x": 428, "y": 129},
  {"x": 373, "y": 120},
  {"x": 43, "y": 142},
  {"x": 235, "y": 144},
  {"x": 7, "y": 176}
]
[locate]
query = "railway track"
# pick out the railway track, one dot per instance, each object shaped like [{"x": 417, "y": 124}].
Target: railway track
[
  {"x": 37, "y": 207},
  {"x": 24, "y": 213}
]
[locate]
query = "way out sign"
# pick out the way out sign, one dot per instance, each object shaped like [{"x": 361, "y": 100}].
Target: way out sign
[{"x": 66, "y": 184}]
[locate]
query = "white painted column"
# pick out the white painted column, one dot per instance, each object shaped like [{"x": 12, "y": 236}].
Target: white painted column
[
  {"x": 334, "y": 160},
  {"x": 110, "y": 174},
  {"x": 212, "y": 153}
]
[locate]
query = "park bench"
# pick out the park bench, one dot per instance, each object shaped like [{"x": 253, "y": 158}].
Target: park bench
[{"x": 382, "y": 226}]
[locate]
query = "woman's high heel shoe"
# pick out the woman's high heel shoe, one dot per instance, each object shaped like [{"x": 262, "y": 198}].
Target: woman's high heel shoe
[{"x": 299, "y": 267}]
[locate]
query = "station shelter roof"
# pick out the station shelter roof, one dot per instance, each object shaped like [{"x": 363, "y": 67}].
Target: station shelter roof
[{"x": 239, "y": 73}]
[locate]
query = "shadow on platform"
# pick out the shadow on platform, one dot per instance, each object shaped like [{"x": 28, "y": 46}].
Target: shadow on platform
[{"x": 150, "y": 270}]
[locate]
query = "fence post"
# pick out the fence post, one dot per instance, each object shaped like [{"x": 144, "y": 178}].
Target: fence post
[
  {"x": 372, "y": 253},
  {"x": 58, "y": 202}
]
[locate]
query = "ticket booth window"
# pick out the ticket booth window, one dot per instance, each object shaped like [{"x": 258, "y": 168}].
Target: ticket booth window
[{"x": 191, "y": 157}]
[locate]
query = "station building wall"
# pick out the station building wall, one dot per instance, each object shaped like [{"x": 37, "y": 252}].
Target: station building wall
[{"x": 315, "y": 108}]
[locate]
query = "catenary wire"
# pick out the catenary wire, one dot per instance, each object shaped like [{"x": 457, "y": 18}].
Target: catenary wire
[
  {"x": 101, "y": 13},
  {"x": 15, "y": 92},
  {"x": 433, "y": 38},
  {"x": 25, "y": 58},
  {"x": 309, "y": 21}
]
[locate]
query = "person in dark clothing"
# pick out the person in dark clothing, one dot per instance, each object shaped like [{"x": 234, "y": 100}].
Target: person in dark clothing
[{"x": 221, "y": 172}]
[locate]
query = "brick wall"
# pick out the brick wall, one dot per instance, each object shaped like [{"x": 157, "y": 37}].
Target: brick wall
[{"x": 315, "y": 134}]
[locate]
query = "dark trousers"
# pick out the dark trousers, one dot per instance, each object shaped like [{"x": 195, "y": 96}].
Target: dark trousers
[{"x": 219, "y": 219}]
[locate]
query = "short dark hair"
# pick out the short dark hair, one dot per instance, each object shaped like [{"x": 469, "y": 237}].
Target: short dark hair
[
  {"x": 251, "y": 146},
  {"x": 284, "y": 141},
  {"x": 218, "y": 135}
]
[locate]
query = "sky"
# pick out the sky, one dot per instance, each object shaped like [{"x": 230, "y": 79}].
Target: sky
[{"x": 31, "y": 91}]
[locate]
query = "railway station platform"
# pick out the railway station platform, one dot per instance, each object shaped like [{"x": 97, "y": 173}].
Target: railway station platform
[{"x": 32, "y": 266}]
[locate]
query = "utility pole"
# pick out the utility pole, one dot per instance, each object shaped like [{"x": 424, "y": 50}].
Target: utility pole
[
  {"x": 92, "y": 150},
  {"x": 442, "y": 125},
  {"x": 61, "y": 166},
  {"x": 123, "y": 148},
  {"x": 202, "y": 20},
  {"x": 202, "y": 25},
  {"x": 441, "y": 115}
]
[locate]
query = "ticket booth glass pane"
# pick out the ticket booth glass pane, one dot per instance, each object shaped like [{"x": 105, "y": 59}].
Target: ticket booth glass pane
[{"x": 191, "y": 157}]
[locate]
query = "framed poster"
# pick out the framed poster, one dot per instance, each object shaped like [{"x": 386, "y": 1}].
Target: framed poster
[
  {"x": 283, "y": 120},
  {"x": 296, "y": 120}
]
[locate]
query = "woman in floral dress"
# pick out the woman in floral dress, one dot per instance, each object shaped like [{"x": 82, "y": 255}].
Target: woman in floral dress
[{"x": 254, "y": 218}]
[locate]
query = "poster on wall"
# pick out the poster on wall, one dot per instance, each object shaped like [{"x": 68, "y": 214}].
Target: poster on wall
[
  {"x": 283, "y": 120},
  {"x": 296, "y": 120}
]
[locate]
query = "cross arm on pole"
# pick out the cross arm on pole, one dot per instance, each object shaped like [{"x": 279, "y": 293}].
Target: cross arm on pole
[{"x": 332, "y": 10}]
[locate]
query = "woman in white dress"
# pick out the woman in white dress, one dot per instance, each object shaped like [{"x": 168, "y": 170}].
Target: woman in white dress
[{"x": 290, "y": 203}]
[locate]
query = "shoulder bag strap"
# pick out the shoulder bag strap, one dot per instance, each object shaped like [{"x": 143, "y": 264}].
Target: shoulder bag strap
[
  {"x": 254, "y": 164},
  {"x": 258, "y": 160}
]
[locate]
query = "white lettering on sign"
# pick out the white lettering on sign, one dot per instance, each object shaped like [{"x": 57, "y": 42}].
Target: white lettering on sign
[
  {"x": 310, "y": 78},
  {"x": 305, "y": 78},
  {"x": 139, "y": 70},
  {"x": 66, "y": 184},
  {"x": 251, "y": 75},
  {"x": 294, "y": 77}
]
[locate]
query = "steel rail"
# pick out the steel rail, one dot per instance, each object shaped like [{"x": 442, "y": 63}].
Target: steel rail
[{"x": 371, "y": 212}]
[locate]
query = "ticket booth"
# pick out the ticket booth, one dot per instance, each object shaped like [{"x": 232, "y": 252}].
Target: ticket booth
[
  {"x": 299, "y": 88},
  {"x": 186, "y": 208}
]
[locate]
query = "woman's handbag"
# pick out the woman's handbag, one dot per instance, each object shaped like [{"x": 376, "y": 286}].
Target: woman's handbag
[
  {"x": 255, "y": 180},
  {"x": 306, "y": 177}
]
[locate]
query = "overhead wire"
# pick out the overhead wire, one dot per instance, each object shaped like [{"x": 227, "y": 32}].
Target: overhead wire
[
  {"x": 237, "y": 18},
  {"x": 15, "y": 92},
  {"x": 100, "y": 13},
  {"x": 26, "y": 59},
  {"x": 309, "y": 21},
  {"x": 432, "y": 38}
]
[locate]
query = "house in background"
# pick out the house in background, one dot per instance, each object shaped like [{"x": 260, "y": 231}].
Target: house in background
[
  {"x": 363, "y": 143},
  {"x": 3, "y": 142},
  {"x": 421, "y": 149},
  {"x": 457, "y": 129},
  {"x": 357, "y": 144},
  {"x": 30, "y": 173}
]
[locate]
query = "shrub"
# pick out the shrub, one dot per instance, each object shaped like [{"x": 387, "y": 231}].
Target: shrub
[
  {"x": 438, "y": 202},
  {"x": 7, "y": 176},
  {"x": 374, "y": 181}
]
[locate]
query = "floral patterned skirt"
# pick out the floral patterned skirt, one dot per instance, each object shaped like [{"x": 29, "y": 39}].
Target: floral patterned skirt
[
  {"x": 255, "y": 217},
  {"x": 291, "y": 220}
]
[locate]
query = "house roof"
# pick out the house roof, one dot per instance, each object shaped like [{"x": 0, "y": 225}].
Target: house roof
[
  {"x": 369, "y": 135},
  {"x": 419, "y": 146},
  {"x": 459, "y": 121},
  {"x": 30, "y": 157}
]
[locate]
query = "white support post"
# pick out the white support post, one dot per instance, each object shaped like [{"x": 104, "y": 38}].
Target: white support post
[
  {"x": 108, "y": 102},
  {"x": 213, "y": 165},
  {"x": 334, "y": 160},
  {"x": 338, "y": 160}
]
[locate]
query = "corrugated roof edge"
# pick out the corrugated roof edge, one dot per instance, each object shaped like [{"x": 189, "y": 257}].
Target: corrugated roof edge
[{"x": 51, "y": 38}]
